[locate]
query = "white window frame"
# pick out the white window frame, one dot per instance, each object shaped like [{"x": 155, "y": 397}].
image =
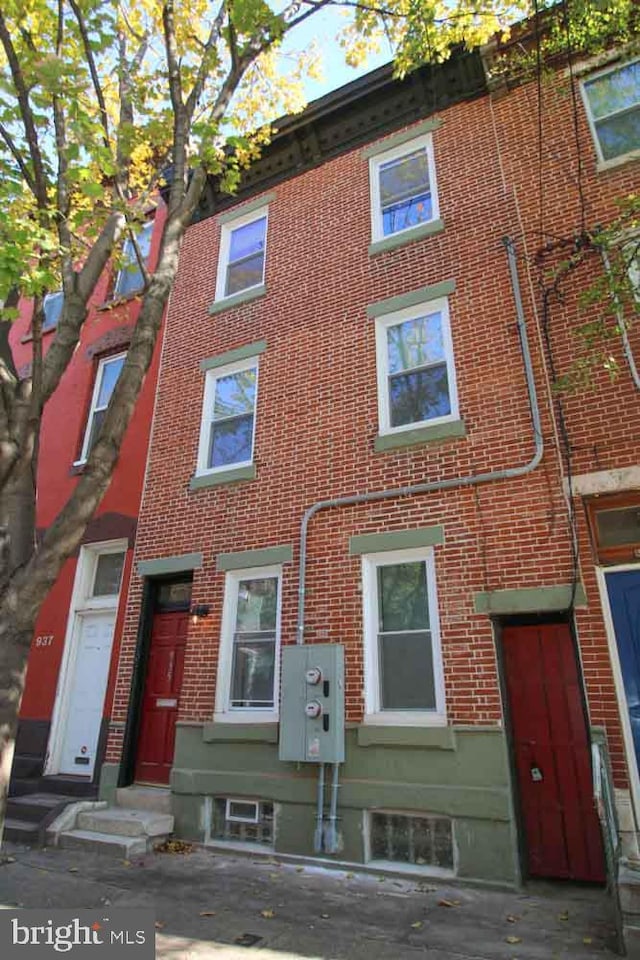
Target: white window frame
[
  {"x": 130, "y": 258},
  {"x": 211, "y": 378},
  {"x": 224, "y": 712},
  {"x": 395, "y": 153},
  {"x": 373, "y": 713},
  {"x": 382, "y": 357},
  {"x": 623, "y": 157},
  {"x": 49, "y": 297},
  {"x": 234, "y": 818},
  {"x": 94, "y": 400},
  {"x": 225, "y": 245}
]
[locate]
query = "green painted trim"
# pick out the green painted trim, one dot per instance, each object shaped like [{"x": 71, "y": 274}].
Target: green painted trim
[
  {"x": 234, "y": 356},
  {"x": 411, "y": 299},
  {"x": 426, "y": 434},
  {"x": 223, "y": 476},
  {"x": 406, "y": 136},
  {"x": 240, "y": 733},
  {"x": 164, "y": 565},
  {"x": 529, "y": 599},
  {"x": 435, "y": 738},
  {"x": 396, "y": 540},
  {"x": 109, "y": 776},
  {"x": 406, "y": 236},
  {"x": 244, "y": 296},
  {"x": 230, "y": 215},
  {"x": 243, "y": 559}
]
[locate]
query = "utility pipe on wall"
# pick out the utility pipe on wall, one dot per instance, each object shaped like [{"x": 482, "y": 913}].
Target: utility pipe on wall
[{"x": 454, "y": 482}]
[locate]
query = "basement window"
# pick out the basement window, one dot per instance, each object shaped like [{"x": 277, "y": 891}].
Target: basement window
[
  {"x": 615, "y": 527},
  {"x": 243, "y": 821},
  {"x": 411, "y": 839}
]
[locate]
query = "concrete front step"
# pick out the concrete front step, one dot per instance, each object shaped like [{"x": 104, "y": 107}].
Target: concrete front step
[
  {"x": 22, "y": 831},
  {"x": 125, "y": 847},
  {"x": 123, "y": 822},
  {"x": 139, "y": 797},
  {"x": 35, "y": 807}
]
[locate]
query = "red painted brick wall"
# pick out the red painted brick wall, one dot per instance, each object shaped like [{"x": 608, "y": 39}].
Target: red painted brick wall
[
  {"x": 317, "y": 406},
  {"x": 106, "y": 330}
]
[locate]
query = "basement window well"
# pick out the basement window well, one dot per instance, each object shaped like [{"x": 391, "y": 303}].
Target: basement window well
[
  {"x": 411, "y": 839},
  {"x": 238, "y": 820}
]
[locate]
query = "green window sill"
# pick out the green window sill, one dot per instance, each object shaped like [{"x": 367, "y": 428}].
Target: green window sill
[
  {"x": 436, "y": 738},
  {"x": 244, "y": 296},
  {"x": 223, "y": 476},
  {"x": 240, "y": 732},
  {"x": 406, "y": 236},
  {"x": 426, "y": 434}
]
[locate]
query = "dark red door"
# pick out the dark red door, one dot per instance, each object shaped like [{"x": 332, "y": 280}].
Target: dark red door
[
  {"x": 160, "y": 699},
  {"x": 552, "y": 753}
]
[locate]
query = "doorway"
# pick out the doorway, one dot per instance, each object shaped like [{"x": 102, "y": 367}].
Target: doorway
[
  {"x": 623, "y": 591},
  {"x": 551, "y": 753}
]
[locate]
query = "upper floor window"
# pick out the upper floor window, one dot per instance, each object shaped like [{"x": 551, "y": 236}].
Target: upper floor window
[
  {"x": 228, "y": 417},
  {"x": 243, "y": 244},
  {"x": 52, "y": 307},
  {"x": 416, "y": 375},
  {"x": 130, "y": 279},
  {"x": 403, "y": 188},
  {"x": 247, "y": 686},
  {"x": 403, "y": 666},
  {"x": 612, "y": 100},
  {"x": 109, "y": 370}
]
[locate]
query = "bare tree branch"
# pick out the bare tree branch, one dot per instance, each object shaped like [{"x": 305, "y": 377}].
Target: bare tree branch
[
  {"x": 17, "y": 156},
  {"x": 91, "y": 62}
]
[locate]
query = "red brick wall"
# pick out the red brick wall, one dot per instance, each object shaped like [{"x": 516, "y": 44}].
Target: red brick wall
[{"x": 317, "y": 409}]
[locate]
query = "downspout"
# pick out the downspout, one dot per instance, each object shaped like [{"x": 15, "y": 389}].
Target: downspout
[
  {"x": 455, "y": 482},
  {"x": 623, "y": 326}
]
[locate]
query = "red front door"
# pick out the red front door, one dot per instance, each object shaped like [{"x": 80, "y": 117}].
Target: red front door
[
  {"x": 552, "y": 753},
  {"x": 154, "y": 757}
]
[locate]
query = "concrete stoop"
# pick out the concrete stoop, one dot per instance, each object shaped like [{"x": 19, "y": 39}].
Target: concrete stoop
[
  {"x": 122, "y": 830},
  {"x": 629, "y": 894}
]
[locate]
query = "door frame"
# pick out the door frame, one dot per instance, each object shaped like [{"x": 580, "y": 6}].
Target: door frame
[
  {"x": 553, "y": 617},
  {"x": 614, "y": 656},
  {"x": 79, "y": 607},
  {"x": 148, "y": 609}
]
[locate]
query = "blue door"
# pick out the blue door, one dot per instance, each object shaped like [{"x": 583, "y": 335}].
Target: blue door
[{"x": 624, "y": 597}]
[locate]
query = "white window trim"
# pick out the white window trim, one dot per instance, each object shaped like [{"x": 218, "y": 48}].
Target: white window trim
[
  {"x": 224, "y": 712},
  {"x": 49, "y": 297},
  {"x": 225, "y": 244},
  {"x": 92, "y": 408},
  {"x": 211, "y": 378},
  {"x": 373, "y": 714},
  {"x": 604, "y": 164},
  {"x": 132, "y": 260},
  {"x": 426, "y": 140},
  {"x": 382, "y": 357}
]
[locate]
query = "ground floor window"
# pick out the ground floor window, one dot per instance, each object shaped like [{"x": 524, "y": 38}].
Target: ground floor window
[{"x": 244, "y": 821}]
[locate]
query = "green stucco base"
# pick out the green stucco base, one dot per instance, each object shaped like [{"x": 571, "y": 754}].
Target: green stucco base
[
  {"x": 109, "y": 781},
  {"x": 466, "y": 778}
]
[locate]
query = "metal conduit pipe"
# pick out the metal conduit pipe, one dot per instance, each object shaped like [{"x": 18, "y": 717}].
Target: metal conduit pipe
[
  {"x": 332, "y": 834},
  {"x": 317, "y": 838},
  {"x": 453, "y": 483},
  {"x": 623, "y": 327}
]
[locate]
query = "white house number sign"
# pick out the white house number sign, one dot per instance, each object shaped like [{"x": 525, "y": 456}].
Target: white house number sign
[{"x": 44, "y": 641}]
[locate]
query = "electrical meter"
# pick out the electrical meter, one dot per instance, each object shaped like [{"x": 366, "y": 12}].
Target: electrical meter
[{"x": 312, "y": 703}]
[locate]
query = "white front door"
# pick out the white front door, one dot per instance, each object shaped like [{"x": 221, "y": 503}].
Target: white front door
[{"x": 86, "y": 690}]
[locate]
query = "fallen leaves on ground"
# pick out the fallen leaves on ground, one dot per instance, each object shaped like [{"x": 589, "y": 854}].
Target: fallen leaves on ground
[
  {"x": 512, "y": 918},
  {"x": 299, "y": 869},
  {"x": 587, "y": 940},
  {"x": 417, "y": 925},
  {"x": 174, "y": 846},
  {"x": 207, "y": 913},
  {"x": 349, "y": 876},
  {"x": 324, "y": 916},
  {"x": 75, "y": 869},
  {"x": 513, "y": 939},
  {"x": 159, "y": 924},
  {"x": 268, "y": 914},
  {"x": 564, "y": 915},
  {"x": 448, "y": 903}
]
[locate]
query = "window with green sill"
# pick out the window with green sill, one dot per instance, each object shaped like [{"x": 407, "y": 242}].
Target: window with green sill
[
  {"x": 403, "y": 188},
  {"x": 612, "y": 100}
]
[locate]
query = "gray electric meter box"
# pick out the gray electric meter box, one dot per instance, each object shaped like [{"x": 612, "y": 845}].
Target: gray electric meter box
[{"x": 312, "y": 703}]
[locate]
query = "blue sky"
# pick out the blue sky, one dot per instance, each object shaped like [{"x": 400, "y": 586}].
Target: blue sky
[{"x": 323, "y": 27}]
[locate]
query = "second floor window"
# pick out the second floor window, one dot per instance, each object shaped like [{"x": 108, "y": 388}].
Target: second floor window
[
  {"x": 130, "y": 279},
  {"x": 52, "y": 307},
  {"x": 243, "y": 244},
  {"x": 416, "y": 376},
  {"x": 228, "y": 418},
  {"x": 109, "y": 370}
]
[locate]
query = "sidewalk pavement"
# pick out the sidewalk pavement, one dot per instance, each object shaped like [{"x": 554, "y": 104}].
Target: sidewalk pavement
[{"x": 204, "y": 901}]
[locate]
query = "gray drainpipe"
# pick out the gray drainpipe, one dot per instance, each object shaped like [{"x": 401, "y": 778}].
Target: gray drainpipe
[
  {"x": 455, "y": 482},
  {"x": 623, "y": 327}
]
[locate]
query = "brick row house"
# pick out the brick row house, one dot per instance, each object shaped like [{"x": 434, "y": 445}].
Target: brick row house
[
  {"x": 74, "y": 654},
  {"x": 382, "y": 599}
]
